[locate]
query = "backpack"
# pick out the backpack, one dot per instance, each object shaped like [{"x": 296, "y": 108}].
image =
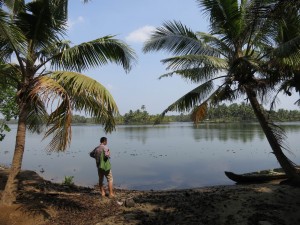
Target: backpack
[{"x": 93, "y": 153}]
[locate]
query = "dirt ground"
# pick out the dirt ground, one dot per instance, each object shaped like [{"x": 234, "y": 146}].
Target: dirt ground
[{"x": 41, "y": 202}]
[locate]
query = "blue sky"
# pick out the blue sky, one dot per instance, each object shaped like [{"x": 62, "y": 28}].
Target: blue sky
[{"x": 132, "y": 21}]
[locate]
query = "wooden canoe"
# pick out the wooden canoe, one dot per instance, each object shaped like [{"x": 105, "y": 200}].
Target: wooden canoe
[{"x": 255, "y": 177}]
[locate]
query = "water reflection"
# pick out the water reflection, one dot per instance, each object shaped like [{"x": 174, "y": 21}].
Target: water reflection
[
  {"x": 228, "y": 131},
  {"x": 245, "y": 132},
  {"x": 177, "y": 155},
  {"x": 133, "y": 132},
  {"x": 237, "y": 131},
  {"x": 142, "y": 132}
]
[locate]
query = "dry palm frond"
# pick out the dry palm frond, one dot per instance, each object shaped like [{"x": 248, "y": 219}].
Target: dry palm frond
[
  {"x": 199, "y": 113},
  {"x": 63, "y": 92}
]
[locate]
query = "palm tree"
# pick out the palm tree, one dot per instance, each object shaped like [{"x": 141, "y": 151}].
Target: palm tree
[
  {"x": 235, "y": 59},
  {"x": 287, "y": 36},
  {"x": 48, "y": 76}
]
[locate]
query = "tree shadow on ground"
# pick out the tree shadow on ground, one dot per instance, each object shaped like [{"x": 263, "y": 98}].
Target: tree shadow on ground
[
  {"x": 37, "y": 196},
  {"x": 176, "y": 207},
  {"x": 227, "y": 206},
  {"x": 33, "y": 203}
]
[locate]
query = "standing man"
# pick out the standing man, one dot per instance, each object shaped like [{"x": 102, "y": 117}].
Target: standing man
[{"x": 101, "y": 172}]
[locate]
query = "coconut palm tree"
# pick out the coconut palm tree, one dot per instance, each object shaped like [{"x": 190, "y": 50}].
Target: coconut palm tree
[
  {"x": 46, "y": 72},
  {"x": 288, "y": 36},
  {"x": 234, "y": 59}
]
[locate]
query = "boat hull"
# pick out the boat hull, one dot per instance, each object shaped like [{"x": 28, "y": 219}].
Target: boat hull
[{"x": 254, "y": 178}]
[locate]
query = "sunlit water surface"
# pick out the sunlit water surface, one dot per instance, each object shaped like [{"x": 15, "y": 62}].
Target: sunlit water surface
[{"x": 176, "y": 155}]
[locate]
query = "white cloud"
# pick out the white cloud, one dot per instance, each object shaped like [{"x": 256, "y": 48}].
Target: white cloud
[
  {"x": 72, "y": 23},
  {"x": 141, "y": 34}
]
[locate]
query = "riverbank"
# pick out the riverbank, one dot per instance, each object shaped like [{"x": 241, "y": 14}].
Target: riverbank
[{"x": 42, "y": 202}]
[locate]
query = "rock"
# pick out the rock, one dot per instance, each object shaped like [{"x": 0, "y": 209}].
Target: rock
[
  {"x": 120, "y": 203},
  {"x": 129, "y": 202}
]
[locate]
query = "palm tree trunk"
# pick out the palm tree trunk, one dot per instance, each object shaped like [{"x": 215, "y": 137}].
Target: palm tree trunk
[
  {"x": 9, "y": 194},
  {"x": 284, "y": 162}
]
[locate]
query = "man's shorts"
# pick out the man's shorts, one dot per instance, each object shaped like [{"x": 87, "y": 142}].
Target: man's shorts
[{"x": 107, "y": 174}]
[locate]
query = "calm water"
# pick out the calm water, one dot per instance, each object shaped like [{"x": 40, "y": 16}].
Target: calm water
[{"x": 171, "y": 156}]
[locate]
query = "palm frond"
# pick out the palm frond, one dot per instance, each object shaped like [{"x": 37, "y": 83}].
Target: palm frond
[
  {"x": 225, "y": 17},
  {"x": 279, "y": 133},
  {"x": 64, "y": 92},
  {"x": 37, "y": 114},
  {"x": 196, "y": 75},
  {"x": 60, "y": 12},
  {"x": 59, "y": 121},
  {"x": 292, "y": 61},
  {"x": 43, "y": 22},
  {"x": 275, "y": 99},
  {"x": 95, "y": 53},
  {"x": 14, "y": 6},
  {"x": 216, "y": 43},
  {"x": 276, "y": 9},
  {"x": 280, "y": 136},
  {"x": 176, "y": 38},
  {"x": 88, "y": 95},
  {"x": 288, "y": 48},
  {"x": 286, "y": 87},
  {"x": 60, "y": 126},
  {"x": 199, "y": 113},
  {"x": 192, "y": 98},
  {"x": 11, "y": 38},
  {"x": 197, "y": 99},
  {"x": 10, "y": 75},
  {"x": 287, "y": 34},
  {"x": 194, "y": 61},
  {"x": 45, "y": 55},
  {"x": 223, "y": 93}
]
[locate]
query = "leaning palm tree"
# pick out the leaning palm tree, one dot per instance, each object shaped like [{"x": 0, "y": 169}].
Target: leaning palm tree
[
  {"x": 235, "y": 59},
  {"x": 46, "y": 72}
]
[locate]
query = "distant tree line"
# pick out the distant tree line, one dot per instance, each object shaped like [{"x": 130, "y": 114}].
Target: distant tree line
[
  {"x": 220, "y": 113},
  {"x": 244, "y": 112},
  {"x": 139, "y": 116}
]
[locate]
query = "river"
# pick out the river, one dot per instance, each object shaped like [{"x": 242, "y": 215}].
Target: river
[{"x": 177, "y": 155}]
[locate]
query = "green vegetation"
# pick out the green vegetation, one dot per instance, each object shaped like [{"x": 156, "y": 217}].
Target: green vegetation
[
  {"x": 220, "y": 113},
  {"x": 68, "y": 181},
  {"x": 79, "y": 119},
  {"x": 45, "y": 71},
  {"x": 244, "y": 112},
  {"x": 141, "y": 116},
  {"x": 251, "y": 49},
  {"x": 8, "y": 108}
]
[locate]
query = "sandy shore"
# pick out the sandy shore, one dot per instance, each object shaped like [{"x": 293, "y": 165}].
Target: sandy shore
[{"x": 43, "y": 203}]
